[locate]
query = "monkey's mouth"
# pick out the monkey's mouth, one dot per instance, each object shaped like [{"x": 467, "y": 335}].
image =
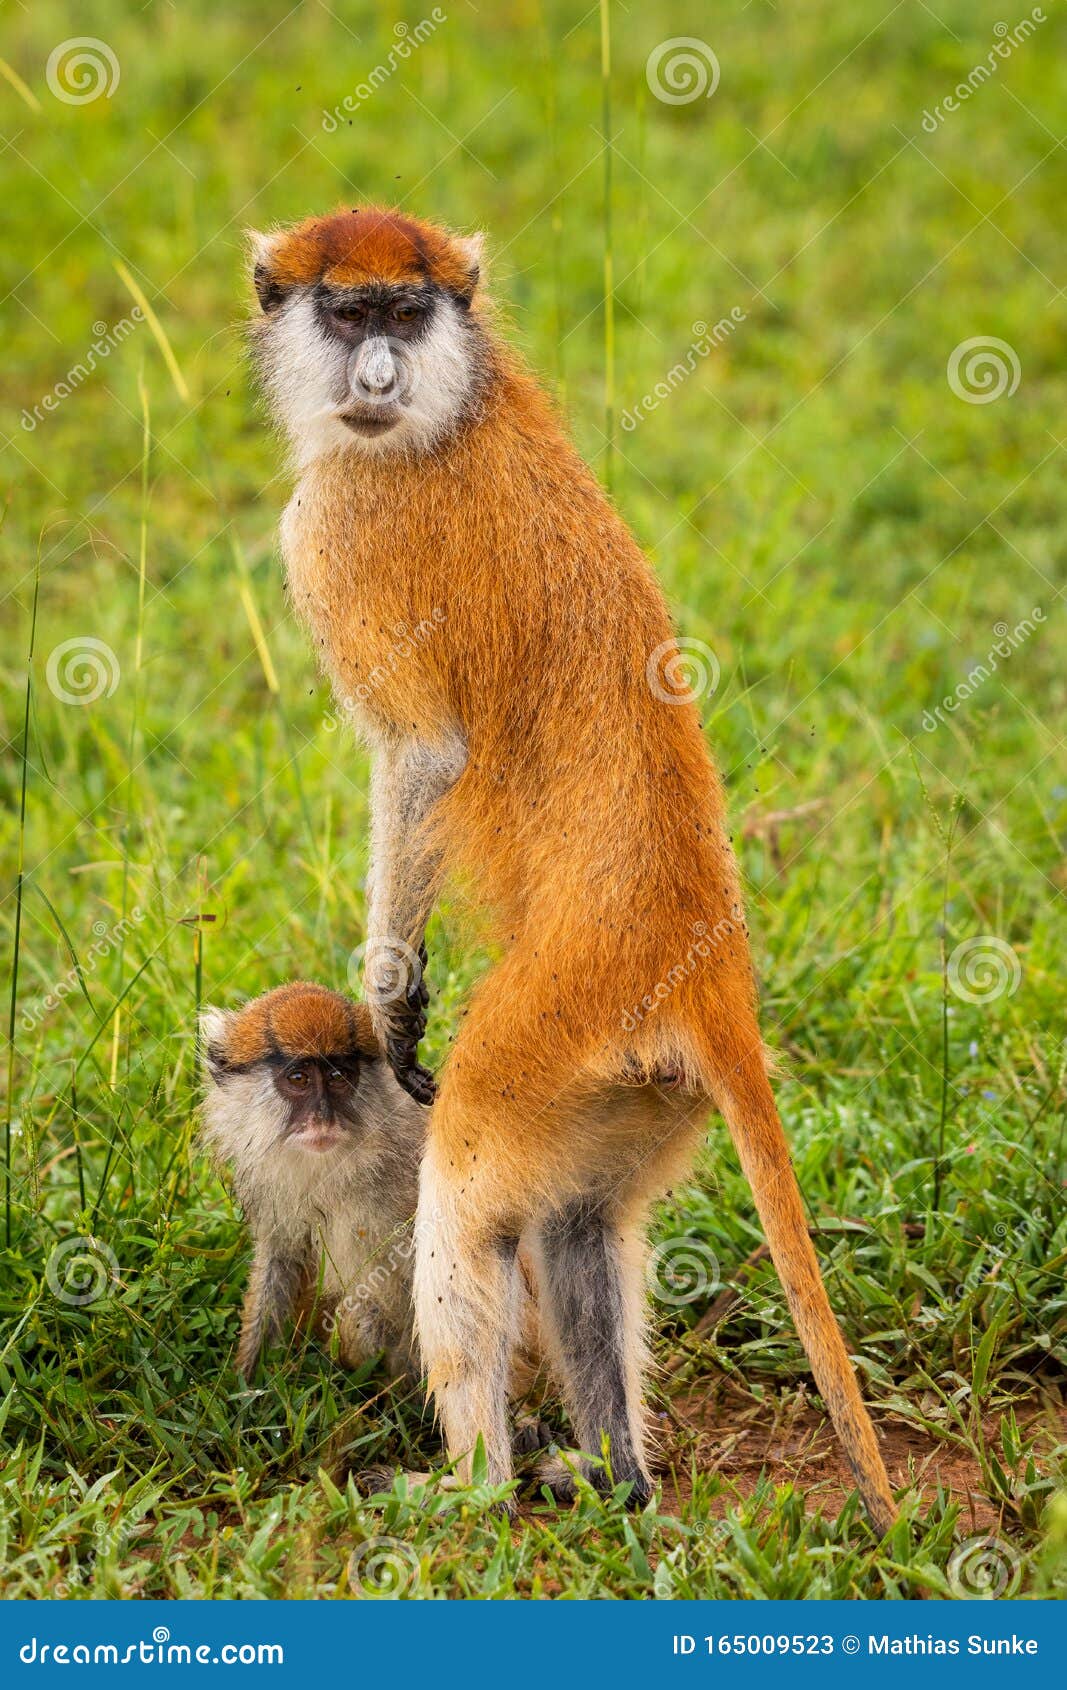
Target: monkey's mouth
[
  {"x": 370, "y": 420},
  {"x": 318, "y": 1136}
]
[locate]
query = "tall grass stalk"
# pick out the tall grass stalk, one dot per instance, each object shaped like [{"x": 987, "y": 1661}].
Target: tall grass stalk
[
  {"x": 609, "y": 255},
  {"x": 19, "y": 876}
]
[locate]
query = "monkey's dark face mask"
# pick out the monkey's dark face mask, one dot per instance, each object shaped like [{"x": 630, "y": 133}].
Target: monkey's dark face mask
[{"x": 320, "y": 1095}]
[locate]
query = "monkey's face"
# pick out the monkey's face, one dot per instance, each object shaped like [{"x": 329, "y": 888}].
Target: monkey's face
[
  {"x": 319, "y": 1094},
  {"x": 367, "y": 341},
  {"x": 294, "y": 1071}
]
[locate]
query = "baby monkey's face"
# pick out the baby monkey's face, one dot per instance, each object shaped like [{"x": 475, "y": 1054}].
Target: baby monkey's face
[
  {"x": 294, "y": 1068},
  {"x": 320, "y": 1097}
]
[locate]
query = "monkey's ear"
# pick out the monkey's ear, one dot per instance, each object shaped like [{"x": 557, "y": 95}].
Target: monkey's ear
[
  {"x": 214, "y": 1038},
  {"x": 366, "y": 1039},
  {"x": 263, "y": 249},
  {"x": 471, "y": 249}
]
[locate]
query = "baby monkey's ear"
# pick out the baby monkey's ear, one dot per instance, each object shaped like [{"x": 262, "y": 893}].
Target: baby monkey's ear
[
  {"x": 366, "y": 1039},
  {"x": 263, "y": 250},
  {"x": 214, "y": 1038}
]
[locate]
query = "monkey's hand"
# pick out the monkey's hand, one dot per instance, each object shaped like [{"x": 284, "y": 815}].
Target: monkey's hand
[{"x": 401, "y": 1022}]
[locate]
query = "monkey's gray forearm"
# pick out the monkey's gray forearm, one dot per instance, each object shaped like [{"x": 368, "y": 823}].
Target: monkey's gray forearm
[
  {"x": 409, "y": 780},
  {"x": 273, "y": 1288}
]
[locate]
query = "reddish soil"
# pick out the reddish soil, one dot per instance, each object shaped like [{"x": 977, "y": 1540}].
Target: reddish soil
[{"x": 791, "y": 1440}]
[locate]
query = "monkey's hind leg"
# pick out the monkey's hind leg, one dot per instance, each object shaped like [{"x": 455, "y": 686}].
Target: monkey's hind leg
[
  {"x": 466, "y": 1306},
  {"x": 274, "y": 1287},
  {"x": 589, "y": 1257}
]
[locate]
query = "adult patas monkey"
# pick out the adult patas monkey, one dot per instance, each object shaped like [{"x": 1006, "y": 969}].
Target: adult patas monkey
[{"x": 538, "y": 740}]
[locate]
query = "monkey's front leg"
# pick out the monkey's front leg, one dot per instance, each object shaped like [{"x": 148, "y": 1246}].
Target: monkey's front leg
[
  {"x": 270, "y": 1301},
  {"x": 409, "y": 778}
]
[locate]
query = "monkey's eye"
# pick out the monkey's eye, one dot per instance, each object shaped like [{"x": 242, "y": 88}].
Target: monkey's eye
[
  {"x": 298, "y": 1077},
  {"x": 405, "y": 313},
  {"x": 350, "y": 313},
  {"x": 338, "y": 1080}
]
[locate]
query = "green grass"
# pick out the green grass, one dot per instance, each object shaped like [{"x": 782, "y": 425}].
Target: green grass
[{"x": 824, "y": 512}]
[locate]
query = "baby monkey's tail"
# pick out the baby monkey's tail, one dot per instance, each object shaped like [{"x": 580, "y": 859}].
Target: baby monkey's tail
[{"x": 747, "y": 1103}]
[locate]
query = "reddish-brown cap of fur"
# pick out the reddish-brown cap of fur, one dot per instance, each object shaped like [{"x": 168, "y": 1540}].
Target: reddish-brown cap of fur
[
  {"x": 299, "y": 1019},
  {"x": 370, "y": 243}
]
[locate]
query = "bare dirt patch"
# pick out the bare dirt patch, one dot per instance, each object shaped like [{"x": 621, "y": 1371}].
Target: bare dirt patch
[{"x": 791, "y": 1440}]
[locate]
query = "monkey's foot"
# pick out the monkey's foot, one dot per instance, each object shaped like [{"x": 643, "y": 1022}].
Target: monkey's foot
[
  {"x": 562, "y": 1481},
  {"x": 373, "y": 1481},
  {"x": 531, "y": 1434}
]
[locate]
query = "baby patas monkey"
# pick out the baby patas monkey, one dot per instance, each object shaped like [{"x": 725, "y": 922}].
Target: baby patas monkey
[
  {"x": 503, "y": 644},
  {"x": 325, "y": 1149}
]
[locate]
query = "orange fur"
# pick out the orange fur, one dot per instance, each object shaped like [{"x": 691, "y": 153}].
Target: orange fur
[
  {"x": 299, "y": 1019},
  {"x": 368, "y": 244},
  {"x": 589, "y": 820}
]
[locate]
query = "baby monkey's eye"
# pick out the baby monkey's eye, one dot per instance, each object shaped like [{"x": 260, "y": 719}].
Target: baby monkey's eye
[
  {"x": 350, "y": 313},
  {"x": 297, "y": 1077},
  {"x": 405, "y": 313}
]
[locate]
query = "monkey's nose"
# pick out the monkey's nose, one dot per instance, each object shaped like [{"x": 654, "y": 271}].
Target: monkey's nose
[{"x": 375, "y": 369}]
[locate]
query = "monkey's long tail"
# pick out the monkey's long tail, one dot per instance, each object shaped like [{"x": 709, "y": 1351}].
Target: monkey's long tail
[{"x": 748, "y": 1105}]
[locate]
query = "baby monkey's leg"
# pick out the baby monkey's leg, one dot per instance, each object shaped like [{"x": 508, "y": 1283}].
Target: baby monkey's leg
[
  {"x": 408, "y": 781},
  {"x": 590, "y": 1272},
  {"x": 274, "y": 1288}
]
